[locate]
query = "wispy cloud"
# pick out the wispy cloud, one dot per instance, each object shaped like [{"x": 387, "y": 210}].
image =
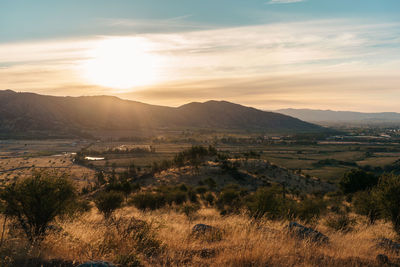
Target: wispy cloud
[
  {"x": 285, "y": 1},
  {"x": 322, "y": 64}
]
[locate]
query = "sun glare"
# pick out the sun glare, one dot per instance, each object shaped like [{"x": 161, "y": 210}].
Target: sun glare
[{"x": 121, "y": 63}]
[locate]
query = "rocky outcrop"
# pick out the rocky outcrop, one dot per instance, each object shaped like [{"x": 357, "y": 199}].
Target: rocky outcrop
[
  {"x": 388, "y": 244},
  {"x": 307, "y": 233}
]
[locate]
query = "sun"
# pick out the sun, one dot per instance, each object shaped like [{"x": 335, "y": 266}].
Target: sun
[{"x": 121, "y": 63}]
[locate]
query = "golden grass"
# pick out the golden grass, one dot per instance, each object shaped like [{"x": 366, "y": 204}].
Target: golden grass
[{"x": 245, "y": 242}]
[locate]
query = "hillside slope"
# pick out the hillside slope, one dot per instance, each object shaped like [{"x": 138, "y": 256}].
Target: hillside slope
[
  {"x": 32, "y": 113},
  {"x": 329, "y": 116}
]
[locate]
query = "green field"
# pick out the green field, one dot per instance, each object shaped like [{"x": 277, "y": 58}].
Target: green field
[{"x": 327, "y": 161}]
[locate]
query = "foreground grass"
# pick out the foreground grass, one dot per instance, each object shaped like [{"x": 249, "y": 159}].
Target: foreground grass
[{"x": 169, "y": 242}]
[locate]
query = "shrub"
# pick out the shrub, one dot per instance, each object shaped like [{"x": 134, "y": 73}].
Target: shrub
[
  {"x": 147, "y": 200},
  {"x": 357, "y": 180},
  {"x": 36, "y": 201},
  {"x": 229, "y": 200},
  {"x": 190, "y": 210},
  {"x": 209, "y": 197},
  {"x": 108, "y": 202},
  {"x": 388, "y": 195},
  {"x": 267, "y": 202},
  {"x": 340, "y": 222},
  {"x": 310, "y": 209},
  {"x": 145, "y": 239},
  {"x": 141, "y": 234},
  {"x": 366, "y": 203},
  {"x": 77, "y": 208},
  {"x": 201, "y": 190},
  {"x": 175, "y": 196}
]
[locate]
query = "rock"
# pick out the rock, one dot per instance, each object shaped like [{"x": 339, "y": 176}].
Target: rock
[
  {"x": 207, "y": 253},
  {"x": 97, "y": 264},
  {"x": 388, "y": 244},
  {"x": 207, "y": 232},
  {"x": 382, "y": 259},
  {"x": 202, "y": 228},
  {"x": 307, "y": 233}
]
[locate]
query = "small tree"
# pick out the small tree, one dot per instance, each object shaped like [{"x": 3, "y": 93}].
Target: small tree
[
  {"x": 366, "y": 203},
  {"x": 357, "y": 180},
  {"x": 36, "y": 201},
  {"x": 108, "y": 202},
  {"x": 388, "y": 194},
  {"x": 266, "y": 202}
]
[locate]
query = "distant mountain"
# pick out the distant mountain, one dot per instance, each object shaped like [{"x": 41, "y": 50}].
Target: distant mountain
[
  {"x": 329, "y": 116},
  {"x": 29, "y": 113}
]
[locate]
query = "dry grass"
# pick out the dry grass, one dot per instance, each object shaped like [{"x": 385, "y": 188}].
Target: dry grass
[{"x": 244, "y": 242}]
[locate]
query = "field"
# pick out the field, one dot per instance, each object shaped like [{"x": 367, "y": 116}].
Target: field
[
  {"x": 219, "y": 190},
  {"x": 19, "y": 158},
  {"x": 244, "y": 242}
]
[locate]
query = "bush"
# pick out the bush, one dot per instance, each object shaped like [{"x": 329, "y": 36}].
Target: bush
[
  {"x": 36, "y": 201},
  {"x": 141, "y": 234},
  {"x": 366, "y": 203},
  {"x": 108, "y": 202},
  {"x": 175, "y": 196},
  {"x": 340, "y": 222},
  {"x": 190, "y": 210},
  {"x": 201, "y": 190},
  {"x": 310, "y": 209},
  {"x": 77, "y": 208},
  {"x": 151, "y": 201},
  {"x": 230, "y": 199},
  {"x": 269, "y": 203},
  {"x": 209, "y": 197},
  {"x": 388, "y": 195},
  {"x": 357, "y": 180}
]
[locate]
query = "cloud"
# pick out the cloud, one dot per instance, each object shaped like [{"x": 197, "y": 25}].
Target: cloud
[
  {"x": 284, "y": 1},
  {"x": 321, "y": 63}
]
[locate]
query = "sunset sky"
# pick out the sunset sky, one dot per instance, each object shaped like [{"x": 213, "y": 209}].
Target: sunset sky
[{"x": 271, "y": 54}]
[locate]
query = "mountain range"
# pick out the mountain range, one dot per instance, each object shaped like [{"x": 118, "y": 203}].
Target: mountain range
[
  {"x": 25, "y": 114},
  {"x": 351, "y": 117}
]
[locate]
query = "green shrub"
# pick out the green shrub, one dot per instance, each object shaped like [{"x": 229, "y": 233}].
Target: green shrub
[
  {"x": 357, "y": 180},
  {"x": 108, "y": 202},
  {"x": 175, "y": 196},
  {"x": 229, "y": 200},
  {"x": 148, "y": 200},
  {"x": 190, "y": 210},
  {"x": 340, "y": 222},
  {"x": 145, "y": 239},
  {"x": 388, "y": 195},
  {"x": 77, "y": 208},
  {"x": 36, "y": 201},
  {"x": 309, "y": 209},
  {"x": 201, "y": 190},
  {"x": 209, "y": 197},
  {"x": 141, "y": 235},
  {"x": 366, "y": 203},
  {"x": 269, "y": 203}
]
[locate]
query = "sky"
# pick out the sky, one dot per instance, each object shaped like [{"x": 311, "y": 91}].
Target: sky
[{"x": 270, "y": 54}]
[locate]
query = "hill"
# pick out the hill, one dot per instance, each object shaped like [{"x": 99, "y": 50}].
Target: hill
[
  {"x": 42, "y": 115},
  {"x": 329, "y": 116}
]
